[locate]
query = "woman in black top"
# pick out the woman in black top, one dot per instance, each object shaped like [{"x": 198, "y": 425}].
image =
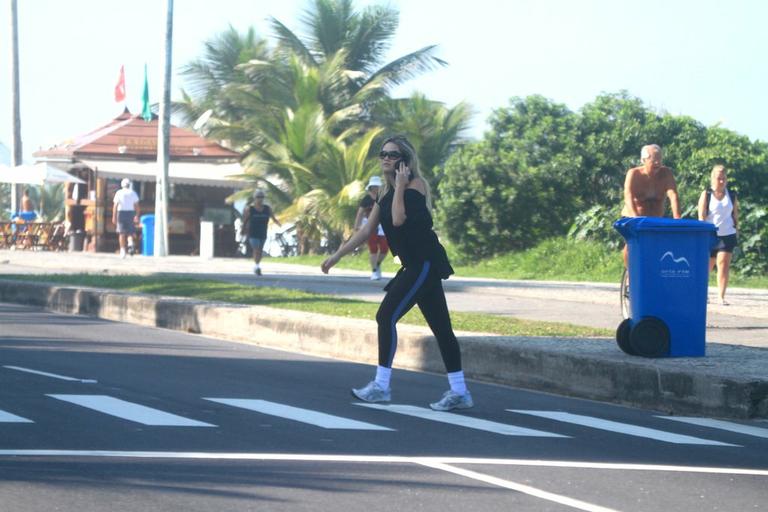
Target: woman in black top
[
  {"x": 403, "y": 209},
  {"x": 255, "y": 223}
]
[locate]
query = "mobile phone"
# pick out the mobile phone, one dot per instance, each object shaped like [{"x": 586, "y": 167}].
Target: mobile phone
[{"x": 397, "y": 166}]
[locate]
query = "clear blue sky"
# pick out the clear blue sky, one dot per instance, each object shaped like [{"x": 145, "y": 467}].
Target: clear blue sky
[{"x": 703, "y": 58}]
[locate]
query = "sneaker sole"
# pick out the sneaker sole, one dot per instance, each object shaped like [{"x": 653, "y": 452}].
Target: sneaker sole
[{"x": 456, "y": 408}]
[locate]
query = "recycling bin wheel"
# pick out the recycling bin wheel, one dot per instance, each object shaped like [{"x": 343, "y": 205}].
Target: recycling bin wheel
[
  {"x": 650, "y": 338},
  {"x": 622, "y": 337}
]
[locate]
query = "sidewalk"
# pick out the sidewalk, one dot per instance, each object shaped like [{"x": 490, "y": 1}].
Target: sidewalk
[{"x": 744, "y": 322}]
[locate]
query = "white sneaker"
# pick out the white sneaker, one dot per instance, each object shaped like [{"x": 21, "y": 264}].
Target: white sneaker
[
  {"x": 122, "y": 254},
  {"x": 372, "y": 393},
  {"x": 452, "y": 400},
  {"x": 375, "y": 276}
]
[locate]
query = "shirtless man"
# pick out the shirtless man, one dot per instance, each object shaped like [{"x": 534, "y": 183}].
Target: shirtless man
[{"x": 647, "y": 186}]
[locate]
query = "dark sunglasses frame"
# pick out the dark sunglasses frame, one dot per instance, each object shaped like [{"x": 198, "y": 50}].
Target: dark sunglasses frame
[{"x": 392, "y": 155}]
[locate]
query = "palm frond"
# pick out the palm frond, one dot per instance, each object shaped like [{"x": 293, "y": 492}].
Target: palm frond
[
  {"x": 372, "y": 37},
  {"x": 407, "y": 67},
  {"x": 328, "y": 23},
  {"x": 291, "y": 43}
]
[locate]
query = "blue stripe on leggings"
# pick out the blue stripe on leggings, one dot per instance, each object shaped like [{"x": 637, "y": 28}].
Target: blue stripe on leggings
[{"x": 399, "y": 309}]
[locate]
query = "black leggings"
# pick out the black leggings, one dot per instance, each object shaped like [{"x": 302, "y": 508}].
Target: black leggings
[{"x": 417, "y": 284}]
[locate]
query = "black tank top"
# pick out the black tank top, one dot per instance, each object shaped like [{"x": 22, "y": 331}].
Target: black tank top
[
  {"x": 258, "y": 221},
  {"x": 414, "y": 242}
]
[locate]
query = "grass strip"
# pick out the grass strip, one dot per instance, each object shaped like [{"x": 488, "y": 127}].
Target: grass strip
[
  {"x": 556, "y": 259},
  {"x": 222, "y": 291}
]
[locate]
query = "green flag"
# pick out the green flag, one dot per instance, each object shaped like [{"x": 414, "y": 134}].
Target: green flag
[{"x": 146, "y": 112}]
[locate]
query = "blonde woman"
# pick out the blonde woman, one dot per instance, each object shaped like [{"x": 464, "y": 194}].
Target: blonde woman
[
  {"x": 719, "y": 206},
  {"x": 403, "y": 210}
]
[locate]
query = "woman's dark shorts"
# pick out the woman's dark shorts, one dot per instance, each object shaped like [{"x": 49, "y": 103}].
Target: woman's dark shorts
[
  {"x": 724, "y": 244},
  {"x": 257, "y": 243}
]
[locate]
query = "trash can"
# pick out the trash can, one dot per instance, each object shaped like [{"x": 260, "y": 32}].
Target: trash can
[
  {"x": 76, "y": 240},
  {"x": 668, "y": 279},
  {"x": 147, "y": 234}
]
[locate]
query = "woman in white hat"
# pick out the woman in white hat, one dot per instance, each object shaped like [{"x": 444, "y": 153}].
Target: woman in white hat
[{"x": 377, "y": 242}]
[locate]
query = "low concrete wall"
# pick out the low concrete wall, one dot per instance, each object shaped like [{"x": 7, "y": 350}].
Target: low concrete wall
[{"x": 717, "y": 385}]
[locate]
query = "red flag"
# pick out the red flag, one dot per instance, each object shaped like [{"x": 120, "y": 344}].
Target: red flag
[{"x": 120, "y": 87}]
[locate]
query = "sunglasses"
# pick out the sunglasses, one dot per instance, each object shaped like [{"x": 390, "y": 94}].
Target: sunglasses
[{"x": 392, "y": 155}]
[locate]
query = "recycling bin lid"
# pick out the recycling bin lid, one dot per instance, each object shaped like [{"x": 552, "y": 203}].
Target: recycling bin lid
[
  {"x": 635, "y": 224},
  {"x": 148, "y": 217}
]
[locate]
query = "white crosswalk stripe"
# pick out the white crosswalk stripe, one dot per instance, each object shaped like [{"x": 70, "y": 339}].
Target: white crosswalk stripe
[
  {"x": 130, "y": 411},
  {"x": 460, "y": 420},
  {"x": 6, "y": 417},
  {"x": 721, "y": 425},
  {"x": 154, "y": 417},
  {"x": 308, "y": 416},
  {"x": 621, "y": 428}
]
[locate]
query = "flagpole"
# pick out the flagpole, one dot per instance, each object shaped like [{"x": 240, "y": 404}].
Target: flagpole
[{"x": 163, "y": 143}]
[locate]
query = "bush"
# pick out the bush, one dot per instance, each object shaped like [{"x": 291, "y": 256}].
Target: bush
[
  {"x": 596, "y": 224},
  {"x": 751, "y": 258}
]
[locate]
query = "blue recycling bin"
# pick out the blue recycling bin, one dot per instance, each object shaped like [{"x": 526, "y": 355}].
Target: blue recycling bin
[
  {"x": 668, "y": 280},
  {"x": 147, "y": 234}
]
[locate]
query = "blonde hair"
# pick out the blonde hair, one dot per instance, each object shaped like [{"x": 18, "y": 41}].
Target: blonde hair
[
  {"x": 718, "y": 168},
  {"x": 407, "y": 149}
]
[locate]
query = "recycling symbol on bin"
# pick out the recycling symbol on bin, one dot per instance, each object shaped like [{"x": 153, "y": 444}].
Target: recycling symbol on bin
[{"x": 672, "y": 266}]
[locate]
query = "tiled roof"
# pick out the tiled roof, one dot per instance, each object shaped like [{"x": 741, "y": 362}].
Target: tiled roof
[{"x": 130, "y": 137}]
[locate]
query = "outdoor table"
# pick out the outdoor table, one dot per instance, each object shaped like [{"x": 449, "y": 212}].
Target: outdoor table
[{"x": 32, "y": 235}]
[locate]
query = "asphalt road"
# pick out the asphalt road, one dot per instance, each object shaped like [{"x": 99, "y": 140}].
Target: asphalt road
[{"x": 97, "y": 415}]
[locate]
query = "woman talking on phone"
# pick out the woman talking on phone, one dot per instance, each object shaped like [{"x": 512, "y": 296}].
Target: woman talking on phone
[{"x": 403, "y": 209}]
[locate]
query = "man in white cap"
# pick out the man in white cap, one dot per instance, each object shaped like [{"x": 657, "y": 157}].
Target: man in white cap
[
  {"x": 125, "y": 215},
  {"x": 377, "y": 242}
]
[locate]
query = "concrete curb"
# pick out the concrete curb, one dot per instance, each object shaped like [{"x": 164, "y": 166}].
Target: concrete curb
[{"x": 731, "y": 382}]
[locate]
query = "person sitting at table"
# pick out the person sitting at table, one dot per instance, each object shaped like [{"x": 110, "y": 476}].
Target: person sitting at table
[{"x": 27, "y": 212}]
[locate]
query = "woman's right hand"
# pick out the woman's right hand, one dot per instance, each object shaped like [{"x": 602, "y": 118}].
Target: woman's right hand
[{"x": 328, "y": 263}]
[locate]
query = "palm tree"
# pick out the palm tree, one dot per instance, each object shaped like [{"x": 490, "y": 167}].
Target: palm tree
[
  {"x": 213, "y": 77},
  {"x": 334, "y": 27},
  {"x": 314, "y": 175},
  {"x": 301, "y": 113}
]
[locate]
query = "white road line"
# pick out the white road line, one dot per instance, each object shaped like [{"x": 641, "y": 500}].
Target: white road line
[
  {"x": 721, "y": 425},
  {"x": 383, "y": 459},
  {"x": 6, "y": 417},
  {"x": 459, "y": 420},
  {"x": 621, "y": 428},
  {"x": 130, "y": 411},
  {"x": 525, "y": 489},
  {"x": 52, "y": 375},
  {"x": 308, "y": 416}
]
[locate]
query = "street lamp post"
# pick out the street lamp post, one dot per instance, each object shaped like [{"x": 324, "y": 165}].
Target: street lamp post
[
  {"x": 16, "y": 156},
  {"x": 163, "y": 143}
]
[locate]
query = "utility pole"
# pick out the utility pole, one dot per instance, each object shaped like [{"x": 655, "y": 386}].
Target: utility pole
[
  {"x": 16, "y": 157},
  {"x": 164, "y": 143}
]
